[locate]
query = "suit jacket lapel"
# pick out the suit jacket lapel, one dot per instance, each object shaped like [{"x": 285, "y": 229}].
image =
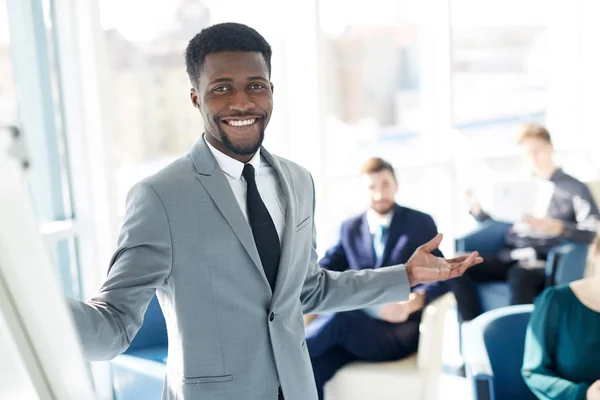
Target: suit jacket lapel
[
  {"x": 215, "y": 183},
  {"x": 393, "y": 235},
  {"x": 366, "y": 240},
  {"x": 289, "y": 231}
]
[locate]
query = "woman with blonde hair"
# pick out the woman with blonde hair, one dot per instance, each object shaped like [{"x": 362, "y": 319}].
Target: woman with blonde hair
[{"x": 562, "y": 345}]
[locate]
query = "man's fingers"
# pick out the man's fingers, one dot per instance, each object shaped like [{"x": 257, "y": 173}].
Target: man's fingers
[
  {"x": 446, "y": 269},
  {"x": 435, "y": 272},
  {"x": 471, "y": 260},
  {"x": 476, "y": 260},
  {"x": 460, "y": 269},
  {"x": 428, "y": 274},
  {"x": 433, "y": 243},
  {"x": 456, "y": 262},
  {"x": 457, "y": 259},
  {"x": 465, "y": 261},
  {"x": 457, "y": 272},
  {"x": 461, "y": 258}
]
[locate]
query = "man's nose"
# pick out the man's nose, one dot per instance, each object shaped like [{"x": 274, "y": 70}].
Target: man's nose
[
  {"x": 241, "y": 102},
  {"x": 377, "y": 196}
]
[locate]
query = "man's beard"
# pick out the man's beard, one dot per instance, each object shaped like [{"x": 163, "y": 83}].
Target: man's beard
[
  {"x": 242, "y": 150},
  {"x": 386, "y": 210}
]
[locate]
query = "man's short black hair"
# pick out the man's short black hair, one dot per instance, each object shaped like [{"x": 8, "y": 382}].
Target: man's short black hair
[{"x": 227, "y": 36}]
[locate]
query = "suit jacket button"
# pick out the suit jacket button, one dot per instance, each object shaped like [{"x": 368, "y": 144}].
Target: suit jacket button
[{"x": 271, "y": 317}]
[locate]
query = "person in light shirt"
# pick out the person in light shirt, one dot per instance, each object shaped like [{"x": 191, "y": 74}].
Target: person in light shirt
[{"x": 572, "y": 215}]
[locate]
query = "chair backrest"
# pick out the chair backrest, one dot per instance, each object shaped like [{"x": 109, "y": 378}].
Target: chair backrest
[
  {"x": 566, "y": 263},
  {"x": 488, "y": 238},
  {"x": 153, "y": 332},
  {"x": 431, "y": 337},
  {"x": 503, "y": 332}
]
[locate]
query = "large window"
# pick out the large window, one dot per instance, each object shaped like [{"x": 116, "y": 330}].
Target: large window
[
  {"x": 499, "y": 79},
  {"x": 499, "y": 70},
  {"x": 153, "y": 120},
  {"x": 35, "y": 82},
  {"x": 8, "y": 94},
  {"x": 372, "y": 80},
  {"x": 352, "y": 80}
]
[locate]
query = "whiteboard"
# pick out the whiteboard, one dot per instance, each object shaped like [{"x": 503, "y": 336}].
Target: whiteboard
[{"x": 40, "y": 354}]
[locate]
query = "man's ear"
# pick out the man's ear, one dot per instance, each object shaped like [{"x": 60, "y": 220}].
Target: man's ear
[
  {"x": 195, "y": 98},
  {"x": 272, "y": 87}
]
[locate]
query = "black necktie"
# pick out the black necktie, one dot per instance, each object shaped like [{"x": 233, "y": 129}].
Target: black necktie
[{"x": 263, "y": 228}]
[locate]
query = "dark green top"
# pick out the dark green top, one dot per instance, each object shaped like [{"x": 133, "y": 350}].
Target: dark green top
[{"x": 562, "y": 346}]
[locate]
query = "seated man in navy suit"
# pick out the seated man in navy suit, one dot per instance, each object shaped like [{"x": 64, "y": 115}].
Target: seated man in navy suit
[{"x": 386, "y": 234}]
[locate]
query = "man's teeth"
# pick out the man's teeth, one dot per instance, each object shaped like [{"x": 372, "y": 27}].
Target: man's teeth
[{"x": 244, "y": 122}]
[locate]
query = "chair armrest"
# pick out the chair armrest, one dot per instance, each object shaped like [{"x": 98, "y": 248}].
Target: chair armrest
[
  {"x": 477, "y": 363},
  {"x": 566, "y": 263},
  {"x": 488, "y": 238},
  {"x": 483, "y": 387},
  {"x": 476, "y": 353},
  {"x": 551, "y": 266}
]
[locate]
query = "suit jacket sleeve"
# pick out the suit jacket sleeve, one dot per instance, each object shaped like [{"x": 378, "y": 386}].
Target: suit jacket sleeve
[
  {"x": 481, "y": 216},
  {"x": 435, "y": 289},
  {"x": 331, "y": 291},
  {"x": 586, "y": 216},
  {"x": 108, "y": 322}
]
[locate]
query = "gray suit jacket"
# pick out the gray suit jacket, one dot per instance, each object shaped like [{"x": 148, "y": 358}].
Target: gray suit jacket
[{"x": 185, "y": 238}]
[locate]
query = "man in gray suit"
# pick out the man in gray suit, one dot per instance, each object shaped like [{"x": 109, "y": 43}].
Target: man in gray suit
[{"x": 225, "y": 236}]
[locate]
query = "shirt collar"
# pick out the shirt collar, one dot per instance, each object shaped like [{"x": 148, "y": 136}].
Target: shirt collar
[
  {"x": 558, "y": 173},
  {"x": 375, "y": 220},
  {"x": 231, "y": 166}
]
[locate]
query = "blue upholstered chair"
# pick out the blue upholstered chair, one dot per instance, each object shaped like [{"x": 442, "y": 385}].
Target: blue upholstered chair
[
  {"x": 493, "y": 346},
  {"x": 566, "y": 262},
  {"x": 139, "y": 372},
  {"x": 488, "y": 238}
]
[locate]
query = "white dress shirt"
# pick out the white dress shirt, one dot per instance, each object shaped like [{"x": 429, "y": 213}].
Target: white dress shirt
[
  {"x": 266, "y": 180},
  {"x": 376, "y": 220}
]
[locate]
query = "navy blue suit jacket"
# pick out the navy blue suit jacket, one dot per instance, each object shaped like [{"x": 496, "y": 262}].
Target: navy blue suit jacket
[{"x": 408, "y": 230}]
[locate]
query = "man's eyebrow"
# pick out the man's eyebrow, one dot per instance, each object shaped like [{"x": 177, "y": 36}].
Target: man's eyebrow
[
  {"x": 222, "y": 80},
  {"x": 229, "y": 80},
  {"x": 258, "y": 78}
]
